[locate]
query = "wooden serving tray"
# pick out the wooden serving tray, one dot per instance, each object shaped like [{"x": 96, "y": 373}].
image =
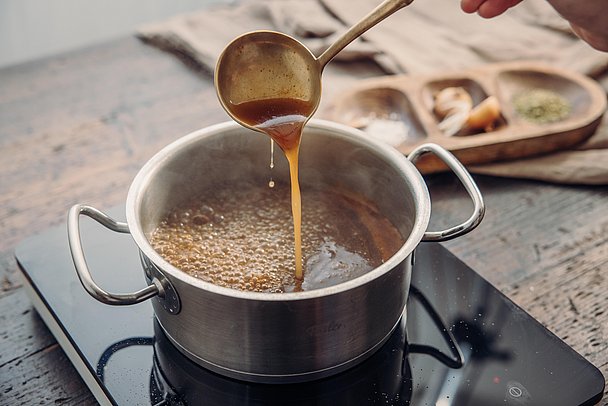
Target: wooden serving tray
[{"x": 407, "y": 102}]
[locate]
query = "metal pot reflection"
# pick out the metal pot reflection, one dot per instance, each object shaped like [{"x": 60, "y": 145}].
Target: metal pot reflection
[{"x": 384, "y": 378}]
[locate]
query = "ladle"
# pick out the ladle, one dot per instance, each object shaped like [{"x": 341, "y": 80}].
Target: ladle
[{"x": 271, "y": 65}]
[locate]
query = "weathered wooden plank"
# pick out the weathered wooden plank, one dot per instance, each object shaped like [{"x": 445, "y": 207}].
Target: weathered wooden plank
[
  {"x": 45, "y": 378},
  {"x": 22, "y": 332},
  {"x": 120, "y": 110},
  {"x": 33, "y": 367},
  {"x": 529, "y": 226},
  {"x": 9, "y": 279},
  {"x": 102, "y": 81}
]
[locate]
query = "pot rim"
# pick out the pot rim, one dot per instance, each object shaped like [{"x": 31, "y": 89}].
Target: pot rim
[{"x": 421, "y": 200}]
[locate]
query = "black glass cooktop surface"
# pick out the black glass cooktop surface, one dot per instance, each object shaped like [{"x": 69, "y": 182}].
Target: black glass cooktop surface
[{"x": 508, "y": 358}]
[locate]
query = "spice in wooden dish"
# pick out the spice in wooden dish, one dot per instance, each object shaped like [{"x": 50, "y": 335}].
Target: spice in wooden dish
[
  {"x": 454, "y": 105},
  {"x": 541, "y": 106}
]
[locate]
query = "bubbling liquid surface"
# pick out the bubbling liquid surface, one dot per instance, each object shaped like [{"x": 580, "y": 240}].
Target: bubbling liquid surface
[{"x": 242, "y": 238}]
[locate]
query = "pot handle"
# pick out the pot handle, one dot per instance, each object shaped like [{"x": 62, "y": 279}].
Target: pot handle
[
  {"x": 469, "y": 184},
  {"x": 82, "y": 269}
]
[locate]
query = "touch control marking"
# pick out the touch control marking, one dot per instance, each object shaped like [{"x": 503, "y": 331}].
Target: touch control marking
[{"x": 515, "y": 391}]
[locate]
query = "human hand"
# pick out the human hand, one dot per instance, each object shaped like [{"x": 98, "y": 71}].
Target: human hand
[
  {"x": 487, "y": 8},
  {"x": 587, "y": 18}
]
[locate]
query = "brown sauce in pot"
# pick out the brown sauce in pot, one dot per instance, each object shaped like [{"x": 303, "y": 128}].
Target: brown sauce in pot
[{"x": 241, "y": 238}]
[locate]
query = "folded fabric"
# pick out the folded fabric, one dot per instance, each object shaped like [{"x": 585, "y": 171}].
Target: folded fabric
[
  {"x": 435, "y": 35},
  {"x": 203, "y": 35},
  {"x": 427, "y": 36}
]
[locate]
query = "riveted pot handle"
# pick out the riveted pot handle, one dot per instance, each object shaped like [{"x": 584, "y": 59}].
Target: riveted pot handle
[
  {"x": 82, "y": 269},
  {"x": 469, "y": 185}
]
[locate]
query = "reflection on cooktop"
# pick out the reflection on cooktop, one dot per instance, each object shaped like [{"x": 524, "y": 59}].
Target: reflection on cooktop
[{"x": 385, "y": 377}]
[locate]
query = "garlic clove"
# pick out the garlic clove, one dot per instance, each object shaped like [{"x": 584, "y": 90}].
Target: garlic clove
[
  {"x": 448, "y": 98},
  {"x": 484, "y": 114},
  {"x": 453, "y": 123}
]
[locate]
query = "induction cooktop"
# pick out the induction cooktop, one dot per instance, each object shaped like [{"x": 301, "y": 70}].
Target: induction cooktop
[{"x": 460, "y": 341}]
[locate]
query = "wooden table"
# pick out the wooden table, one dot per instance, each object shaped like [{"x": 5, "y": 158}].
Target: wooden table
[{"x": 76, "y": 128}]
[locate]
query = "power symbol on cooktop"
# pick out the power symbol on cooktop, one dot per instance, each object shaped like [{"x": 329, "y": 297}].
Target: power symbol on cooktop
[{"x": 515, "y": 391}]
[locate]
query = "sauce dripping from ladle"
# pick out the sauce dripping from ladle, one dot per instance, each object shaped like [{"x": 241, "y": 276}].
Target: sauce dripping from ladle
[
  {"x": 283, "y": 120},
  {"x": 271, "y": 83}
]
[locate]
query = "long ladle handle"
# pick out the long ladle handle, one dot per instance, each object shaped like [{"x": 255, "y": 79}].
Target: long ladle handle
[{"x": 385, "y": 9}]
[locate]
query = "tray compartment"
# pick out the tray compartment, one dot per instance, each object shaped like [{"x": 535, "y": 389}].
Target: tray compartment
[
  {"x": 513, "y": 82},
  {"x": 384, "y": 113}
]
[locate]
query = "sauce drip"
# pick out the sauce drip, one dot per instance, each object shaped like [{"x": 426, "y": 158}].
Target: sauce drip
[
  {"x": 271, "y": 181},
  {"x": 282, "y": 119}
]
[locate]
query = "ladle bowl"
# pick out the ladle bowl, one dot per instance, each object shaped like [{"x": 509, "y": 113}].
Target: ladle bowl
[
  {"x": 266, "y": 65},
  {"x": 270, "y": 65}
]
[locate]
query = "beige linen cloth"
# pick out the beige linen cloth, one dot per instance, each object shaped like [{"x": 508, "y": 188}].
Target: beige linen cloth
[{"x": 426, "y": 37}]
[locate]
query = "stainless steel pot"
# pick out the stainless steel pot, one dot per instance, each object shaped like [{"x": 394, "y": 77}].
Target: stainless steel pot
[{"x": 266, "y": 337}]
